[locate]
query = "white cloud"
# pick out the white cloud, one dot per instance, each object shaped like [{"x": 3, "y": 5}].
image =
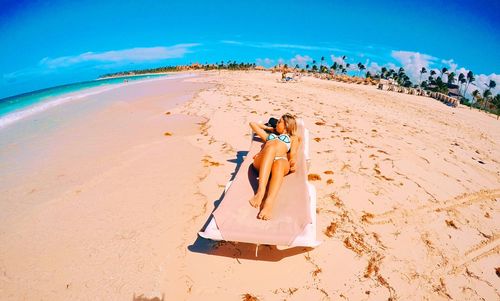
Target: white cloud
[
  {"x": 392, "y": 66},
  {"x": 373, "y": 68},
  {"x": 267, "y": 62},
  {"x": 452, "y": 67},
  {"x": 302, "y": 47},
  {"x": 413, "y": 62},
  {"x": 461, "y": 70},
  {"x": 129, "y": 55},
  {"x": 337, "y": 59},
  {"x": 280, "y": 46},
  {"x": 231, "y": 42},
  {"x": 482, "y": 81},
  {"x": 302, "y": 61}
]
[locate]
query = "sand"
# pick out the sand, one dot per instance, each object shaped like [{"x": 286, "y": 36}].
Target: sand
[{"x": 408, "y": 195}]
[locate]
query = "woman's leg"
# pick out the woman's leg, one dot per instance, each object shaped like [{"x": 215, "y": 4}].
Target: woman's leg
[
  {"x": 263, "y": 163},
  {"x": 279, "y": 169}
]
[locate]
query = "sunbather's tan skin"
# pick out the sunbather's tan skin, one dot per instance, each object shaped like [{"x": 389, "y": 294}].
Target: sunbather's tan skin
[{"x": 269, "y": 168}]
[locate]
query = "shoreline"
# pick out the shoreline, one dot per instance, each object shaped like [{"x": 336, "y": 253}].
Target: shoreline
[
  {"x": 49, "y": 134},
  {"x": 134, "y": 75},
  {"x": 64, "y": 98}
]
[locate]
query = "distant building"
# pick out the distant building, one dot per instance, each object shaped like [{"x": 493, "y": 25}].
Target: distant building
[{"x": 452, "y": 90}]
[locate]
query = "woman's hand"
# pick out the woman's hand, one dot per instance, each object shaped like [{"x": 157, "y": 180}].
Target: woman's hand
[
  {"x": 293, "y": 153},
  {"x": 258, "y": 128}
]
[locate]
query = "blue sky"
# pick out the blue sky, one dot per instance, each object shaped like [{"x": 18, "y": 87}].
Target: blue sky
[{"x": 47, "y": 43}]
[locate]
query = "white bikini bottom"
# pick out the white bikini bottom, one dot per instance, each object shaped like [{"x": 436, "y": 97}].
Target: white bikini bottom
[{"x": 280, "y": 157}]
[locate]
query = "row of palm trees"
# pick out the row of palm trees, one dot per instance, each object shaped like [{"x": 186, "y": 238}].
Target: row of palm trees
[
  {"x": 463, "y": 83},
  {"x": 435, "y": 82},
  {"x": 229, "y": 65}
]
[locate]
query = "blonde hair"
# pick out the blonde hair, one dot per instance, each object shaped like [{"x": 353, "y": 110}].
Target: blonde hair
[{"x": 290, "y": 123}]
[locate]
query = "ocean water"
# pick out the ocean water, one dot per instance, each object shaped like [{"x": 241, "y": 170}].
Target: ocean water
[{"x": 21, "y": 106}]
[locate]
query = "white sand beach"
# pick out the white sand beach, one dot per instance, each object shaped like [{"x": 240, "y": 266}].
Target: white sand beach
[{"x": 106, "y": 203}]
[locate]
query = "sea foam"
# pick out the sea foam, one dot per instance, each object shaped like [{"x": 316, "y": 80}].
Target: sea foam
[{"x": 49, "y": 103}]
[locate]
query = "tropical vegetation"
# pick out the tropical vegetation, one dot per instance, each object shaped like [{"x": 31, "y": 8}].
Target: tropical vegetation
[{"x": 434, "y": 82}]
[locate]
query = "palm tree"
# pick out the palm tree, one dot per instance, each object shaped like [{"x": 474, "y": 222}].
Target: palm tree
[
  {"x": 322, "y": 60},
  {"x": 475, "y": 96},
  {"x": 443, "y": 71},
  {"x": 461, "y": 80},
  {"x": 401, "y": 76},
  {"x": 451, "y": 78},
  {"x": 361, "y": 67},
  {"x": 314, "y": 64},
  {"x": 441, "y": 86},
  {"x": 492, "y": 85},
  {"x": 307, "y": 67},
  {"x": 487, "y": 93},
  {"x": 391, "y": 73},
  {"x": 422, "y": 71},
  {"x": 496, "y": 103},
  {"x": 383, "y": 72},
  {"x": 431, "y": 77},
  {"x": 334, "y": 67},
  {"x": 470, "y": 79}
]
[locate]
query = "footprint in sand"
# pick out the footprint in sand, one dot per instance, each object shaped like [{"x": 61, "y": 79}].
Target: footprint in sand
[
  {"x": 313, "y": 177},
  {"x": 345, "y": 167},
  {"x": 207, "y": 162},
  {"x": 249, "y": 297},
  {"x": 330, "y": 230}
]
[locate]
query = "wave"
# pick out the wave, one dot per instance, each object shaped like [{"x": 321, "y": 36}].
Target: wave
[{"x": 31, "y": 110}]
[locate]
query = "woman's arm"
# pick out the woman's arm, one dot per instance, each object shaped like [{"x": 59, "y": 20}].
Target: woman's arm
[
  {"x": 260, "y": 129},
  {"x": 292, "y": 156}
]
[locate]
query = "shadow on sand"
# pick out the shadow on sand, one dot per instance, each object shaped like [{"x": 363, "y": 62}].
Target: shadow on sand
[{"x": 240, "y": 250}]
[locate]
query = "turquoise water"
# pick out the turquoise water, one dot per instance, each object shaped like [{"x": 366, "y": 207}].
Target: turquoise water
[{"x": 17, "y": 107}]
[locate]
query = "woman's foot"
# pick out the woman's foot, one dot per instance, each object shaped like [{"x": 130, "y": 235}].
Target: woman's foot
[
  {"x": 257, "y": 200},
  {"x": 266, "y": 212}
]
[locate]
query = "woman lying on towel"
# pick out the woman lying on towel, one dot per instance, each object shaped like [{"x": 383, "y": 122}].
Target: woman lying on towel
[{"x": 274, "y": 161}]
